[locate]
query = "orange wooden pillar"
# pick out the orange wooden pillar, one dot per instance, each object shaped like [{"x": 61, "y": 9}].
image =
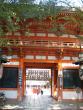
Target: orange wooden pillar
[
  {"x": 24, "y": 80},
  {"x": 54, "y": 81},
  {"x": 60, "y": 81},
  {"x": 21, "y": 79}
]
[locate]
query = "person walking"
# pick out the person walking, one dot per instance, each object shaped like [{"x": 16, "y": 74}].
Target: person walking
[{"x": 41, "y": 92}]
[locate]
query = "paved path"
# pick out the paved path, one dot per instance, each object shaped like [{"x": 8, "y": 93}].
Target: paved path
[{"x": 41, "y": 102}]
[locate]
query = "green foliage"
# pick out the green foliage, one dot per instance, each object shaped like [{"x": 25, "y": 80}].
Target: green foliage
[
  {"x": 3, "y": 42},
  {"x": 12, "y": 13},
  {"x": 15, "y": 12},
  {"x": 76, "y": 19}
]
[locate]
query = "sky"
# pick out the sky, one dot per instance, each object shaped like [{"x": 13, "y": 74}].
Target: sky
[
  {"x": 77, "y": 2},
  {"x": 74, "y": 2}
]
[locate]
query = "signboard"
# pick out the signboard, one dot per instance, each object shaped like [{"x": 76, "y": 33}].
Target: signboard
[
  {"x": 69, "y": 65},
  {"x": 20, "y": 77},
  {"x": 11, "y": 63}
]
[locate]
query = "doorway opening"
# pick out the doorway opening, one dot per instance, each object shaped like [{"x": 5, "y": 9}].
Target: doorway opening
[{"x": 38, "y": 81}]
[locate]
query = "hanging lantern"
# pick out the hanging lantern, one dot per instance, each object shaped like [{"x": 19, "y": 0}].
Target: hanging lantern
[
  {"x": 81, "y": 72},
  {"x": 81, "y": 56},
  {"x": 3, "y": 60},
  {"x": 80, "y": 63},
  {"x": 1, "y": 71}
]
